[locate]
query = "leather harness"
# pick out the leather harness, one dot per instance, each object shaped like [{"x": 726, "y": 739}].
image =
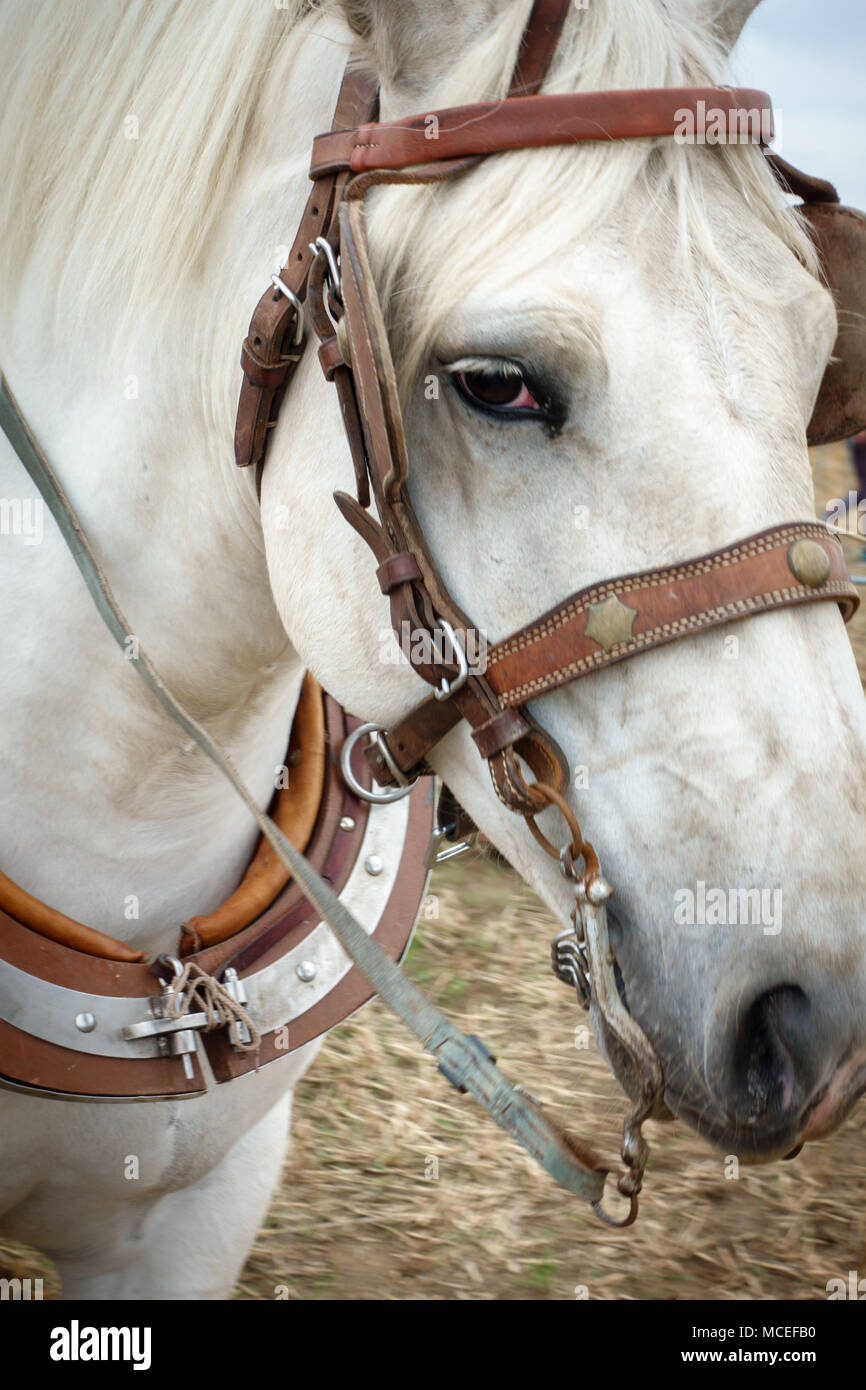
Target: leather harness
[
  {"x": 787, "y": 565},
  {"x": 70, "y": 1007},
  {"x": 104, "y": 1041}
]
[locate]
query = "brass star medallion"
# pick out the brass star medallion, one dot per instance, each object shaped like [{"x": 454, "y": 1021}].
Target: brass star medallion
[{"x": 610, "y": 623}]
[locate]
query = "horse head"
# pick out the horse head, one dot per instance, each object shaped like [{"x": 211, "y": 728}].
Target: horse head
[{"x": 607, "y": 359}]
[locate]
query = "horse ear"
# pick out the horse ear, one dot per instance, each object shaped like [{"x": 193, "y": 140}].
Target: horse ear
[
  {"x": 412, "y": 42},
  {"x": 359, "y": 16},
  {"x": 729, "y": 16}
]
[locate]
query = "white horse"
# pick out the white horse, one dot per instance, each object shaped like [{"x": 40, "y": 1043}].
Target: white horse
[{"x": 155, "y": 164}]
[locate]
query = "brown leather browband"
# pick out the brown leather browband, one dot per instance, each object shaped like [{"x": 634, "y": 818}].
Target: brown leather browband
[
  {"x": 796, "y": 563},
  {"x": 492, "y": 127}
]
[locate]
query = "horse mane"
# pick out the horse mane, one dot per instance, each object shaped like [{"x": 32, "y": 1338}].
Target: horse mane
[
  {"x": 123, "y": 129},
  {"x": 103, "y": 209}
]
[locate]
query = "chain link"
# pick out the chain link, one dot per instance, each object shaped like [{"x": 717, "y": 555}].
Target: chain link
[{"x": 591, "y": 937}]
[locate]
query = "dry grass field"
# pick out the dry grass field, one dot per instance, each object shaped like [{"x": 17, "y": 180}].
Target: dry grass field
[{"x": 397, "y": 1188}]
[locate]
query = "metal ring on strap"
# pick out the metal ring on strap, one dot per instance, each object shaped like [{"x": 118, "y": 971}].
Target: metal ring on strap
[
  {"x": 333, "y": 284},
  {"x": 378, "y": 798}
]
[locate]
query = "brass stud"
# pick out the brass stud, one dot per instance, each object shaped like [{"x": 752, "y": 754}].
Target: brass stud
[
  {"x": 610, "y": 623},
  {"x": 809, "y": 563}
]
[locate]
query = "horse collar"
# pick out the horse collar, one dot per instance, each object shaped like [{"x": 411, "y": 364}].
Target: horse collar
[{"x": 84, "y": 1017}]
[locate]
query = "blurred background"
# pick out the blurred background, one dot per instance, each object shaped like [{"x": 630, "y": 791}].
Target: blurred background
[{"x": 811, "y": 59}]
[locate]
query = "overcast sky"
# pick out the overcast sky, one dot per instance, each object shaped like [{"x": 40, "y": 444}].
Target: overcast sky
[{"x": 810, "y": 55}]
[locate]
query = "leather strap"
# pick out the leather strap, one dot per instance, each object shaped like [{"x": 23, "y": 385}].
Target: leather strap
[
  {"x": 538, "y": 45},
  {"x": 612, "y": 622},
  {"x": 645, "y": 610},
  {"x": 805, "y": 186},
  {"x": 269, "y": 356},
  {"x": 528, "y": 123},
  {"x": 417, "y": 604}
]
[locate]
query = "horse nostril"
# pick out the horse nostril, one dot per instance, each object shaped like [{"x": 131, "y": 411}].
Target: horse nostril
[{"x": 771, "y": 1053}]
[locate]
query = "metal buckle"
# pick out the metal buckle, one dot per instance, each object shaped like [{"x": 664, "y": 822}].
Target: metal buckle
[
  {"x": 175, "y": 1036},
  {"x": 333, "y": 284},
  {"x": 378, "y": 798},
  {"x": 448, "y": 688},
  {"x": 322, "y": 247},
  {"x": 435, "y": 855},
  {"x": 298, "y": 307}
]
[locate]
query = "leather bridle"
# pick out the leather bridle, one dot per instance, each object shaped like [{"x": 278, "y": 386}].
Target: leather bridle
[{"x": 327, "y": 279}]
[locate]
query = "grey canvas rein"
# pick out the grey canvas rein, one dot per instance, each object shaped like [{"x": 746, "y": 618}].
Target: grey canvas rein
[{"x": 463, "y": 1059}]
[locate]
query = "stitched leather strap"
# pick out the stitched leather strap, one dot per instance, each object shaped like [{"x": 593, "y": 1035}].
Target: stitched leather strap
[
  {"x": 611, "y": 622},
  {"x": 531, "y": 123},
  {"x": 621, "y": 618},
  {"x": 269, "y": 356}
]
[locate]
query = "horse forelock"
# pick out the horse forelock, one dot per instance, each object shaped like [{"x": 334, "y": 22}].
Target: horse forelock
[
  {"x": 124, "y": 132},
  {"x": 429, "y": 247}
]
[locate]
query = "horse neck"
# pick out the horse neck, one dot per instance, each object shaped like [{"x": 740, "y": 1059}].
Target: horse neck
[{"x": 105, "y": 799}]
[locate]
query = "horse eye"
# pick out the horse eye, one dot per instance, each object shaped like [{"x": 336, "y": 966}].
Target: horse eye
[{"x": 499, "y": 392}]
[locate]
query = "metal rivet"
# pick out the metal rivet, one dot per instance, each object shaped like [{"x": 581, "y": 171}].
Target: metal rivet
[
  {"x": 85, "y": 1023},
  {"x": 347, "y": 823},
  {"x": 373, "y": 864},
  {"x": 809, "y": 562},
  {"x": 610, "y": 623},
  {"x": 307, "y": 971},
  {"x": 598, "y": 890}
]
